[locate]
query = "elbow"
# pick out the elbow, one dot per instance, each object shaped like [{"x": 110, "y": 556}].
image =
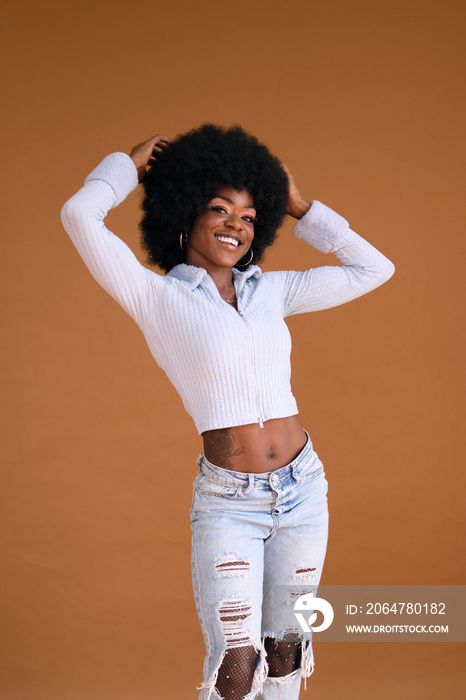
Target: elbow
[
  {"x": 377, "y": 275},
  {"x": 389, "y": 270},
  {"x": 68, "y": 213},
  {"x": 386, "y": 271},
  {"x": 74, "y": 214}
]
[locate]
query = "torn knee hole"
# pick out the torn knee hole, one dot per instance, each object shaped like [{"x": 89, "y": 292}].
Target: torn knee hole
[
  {"x": 233, "y": 612},
  {"x": 236, "y": 672},
  {"x": 284, "y": 656}
]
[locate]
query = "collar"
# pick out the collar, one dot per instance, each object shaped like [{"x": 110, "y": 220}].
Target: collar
[{"x": 192, "y": 276}]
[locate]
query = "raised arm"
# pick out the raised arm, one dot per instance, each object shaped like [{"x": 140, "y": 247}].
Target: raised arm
[
  {"x": 107, "y": 257},
  {"x": 363, "y": 267}
]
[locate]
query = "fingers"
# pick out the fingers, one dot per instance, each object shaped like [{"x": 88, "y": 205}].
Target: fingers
[
  {"x": 287, "y": 172},
  {"x": 158, "y": 143},
  {"x": 159, "y": 138},
  {"x": 146, "y": 153},
  {"x": 155, "y": 140},
  {"x": 297, "y": 205}
]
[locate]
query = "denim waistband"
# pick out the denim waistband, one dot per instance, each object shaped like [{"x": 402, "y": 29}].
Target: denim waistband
[{"x": 228, "y": 477}]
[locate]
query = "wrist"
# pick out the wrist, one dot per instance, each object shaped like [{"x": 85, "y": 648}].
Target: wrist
[
  {"x": 140, "y": 167},
  {"x": 300, "y": 208}
]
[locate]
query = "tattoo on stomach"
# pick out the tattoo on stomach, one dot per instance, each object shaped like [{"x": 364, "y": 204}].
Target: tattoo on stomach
[{"x": 220, "y": 446}]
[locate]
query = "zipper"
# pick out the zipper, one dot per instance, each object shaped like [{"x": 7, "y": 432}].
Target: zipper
[{"x": 259, "y": 419}]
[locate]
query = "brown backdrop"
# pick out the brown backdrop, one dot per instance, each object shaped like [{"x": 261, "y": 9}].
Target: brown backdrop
[{"x": 363, "y": 101}]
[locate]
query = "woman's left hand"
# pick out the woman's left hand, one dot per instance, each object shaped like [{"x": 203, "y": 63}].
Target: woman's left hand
[{"x": 297, "y": 205}]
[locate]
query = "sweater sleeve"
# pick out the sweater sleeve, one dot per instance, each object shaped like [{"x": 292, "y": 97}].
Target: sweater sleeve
[
  {"x": 363, "y": 267},
  {"x": 107, "y": 257}
]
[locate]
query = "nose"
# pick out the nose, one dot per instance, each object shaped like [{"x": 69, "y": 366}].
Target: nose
[{"x": 234, "y": 221}]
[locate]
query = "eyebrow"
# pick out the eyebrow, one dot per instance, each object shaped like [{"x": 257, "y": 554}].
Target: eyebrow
[{"x": 227, "y": 199}]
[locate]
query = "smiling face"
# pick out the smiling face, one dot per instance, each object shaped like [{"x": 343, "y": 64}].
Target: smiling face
[{"x": 223, "y": 233}]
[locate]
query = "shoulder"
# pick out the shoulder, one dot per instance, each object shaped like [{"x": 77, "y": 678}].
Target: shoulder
[{"x": 275, "y": 277}]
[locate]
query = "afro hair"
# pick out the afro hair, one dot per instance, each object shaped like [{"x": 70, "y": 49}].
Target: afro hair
[{"x": 187, "y": 174}]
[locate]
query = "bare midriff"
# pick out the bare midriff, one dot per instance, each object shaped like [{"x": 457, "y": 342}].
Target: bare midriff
[{"x": 250, "y": 448}]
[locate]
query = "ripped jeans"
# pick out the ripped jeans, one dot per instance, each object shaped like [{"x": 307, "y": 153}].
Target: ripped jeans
[{"x": 256, "y": 538}]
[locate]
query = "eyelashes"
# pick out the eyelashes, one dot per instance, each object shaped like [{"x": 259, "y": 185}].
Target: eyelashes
[{"x": 221, "y": 209}]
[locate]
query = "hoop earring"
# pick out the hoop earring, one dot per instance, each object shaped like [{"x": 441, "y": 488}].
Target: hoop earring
[
  {"x": 183, "y": 233},
  {"x": 248, "y": 262}
]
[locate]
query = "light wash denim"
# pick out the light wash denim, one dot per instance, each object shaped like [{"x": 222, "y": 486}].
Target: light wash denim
[{"x": 255, "y": 537}]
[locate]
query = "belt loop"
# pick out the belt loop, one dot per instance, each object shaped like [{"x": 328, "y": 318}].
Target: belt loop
[
  {"x": 296, "y": 476},
  {"x": 250, "y": 486}
]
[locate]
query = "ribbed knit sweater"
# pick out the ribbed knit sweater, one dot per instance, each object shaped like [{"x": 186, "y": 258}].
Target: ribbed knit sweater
[{"x": 229, "y": 367}]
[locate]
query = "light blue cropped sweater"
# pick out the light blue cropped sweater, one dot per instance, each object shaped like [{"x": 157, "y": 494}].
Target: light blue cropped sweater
[{"x": 229, "y": 367}]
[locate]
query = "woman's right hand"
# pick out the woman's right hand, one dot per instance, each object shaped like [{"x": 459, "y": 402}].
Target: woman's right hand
[{"x": 145, "y": 153}]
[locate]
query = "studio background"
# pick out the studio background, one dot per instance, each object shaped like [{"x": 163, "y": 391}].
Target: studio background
[{"x": 364, "y": 101}]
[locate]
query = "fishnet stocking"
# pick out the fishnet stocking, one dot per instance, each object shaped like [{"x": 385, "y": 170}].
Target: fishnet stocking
[
  {"x": 284, "y": 656},
  {"x": 235, "y": 675}
]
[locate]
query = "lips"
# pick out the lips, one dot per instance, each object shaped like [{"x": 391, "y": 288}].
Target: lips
[{"x": 228, "y": 240}]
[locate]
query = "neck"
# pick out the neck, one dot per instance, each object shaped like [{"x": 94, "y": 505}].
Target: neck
[
  {"x": 223, "y": 279},
  {"x": 222, "y": 276}
]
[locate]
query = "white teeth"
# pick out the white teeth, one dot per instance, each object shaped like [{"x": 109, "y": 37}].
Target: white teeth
[{"x": 227, "y": 239}]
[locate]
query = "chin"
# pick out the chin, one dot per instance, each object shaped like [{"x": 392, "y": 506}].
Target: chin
[{"x": 227, "y": 261}]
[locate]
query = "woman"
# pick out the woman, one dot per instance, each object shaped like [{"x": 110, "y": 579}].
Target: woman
[{"x": 214, "y": 199}]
